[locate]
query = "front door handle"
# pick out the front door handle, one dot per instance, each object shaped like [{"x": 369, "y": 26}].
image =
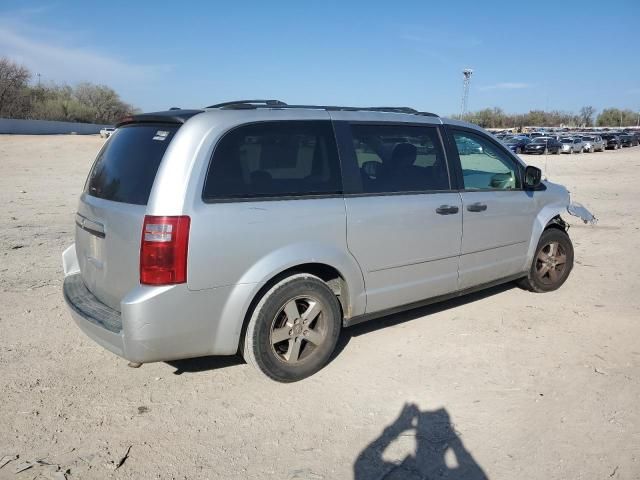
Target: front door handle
[
  {"x": 447, "y": 210},
  {"x": 477, "y": 207}
]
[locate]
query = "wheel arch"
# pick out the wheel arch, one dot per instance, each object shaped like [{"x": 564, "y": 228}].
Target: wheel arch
[
  {"x": 329, "y": 274},
  {"x": 557, "y": 222},
  {"x": 335, "y": 267},
  {"x": 548, "y": 217}
]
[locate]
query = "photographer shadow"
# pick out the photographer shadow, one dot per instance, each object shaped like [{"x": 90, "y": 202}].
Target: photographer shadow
[{"x": 439, "y": 451}]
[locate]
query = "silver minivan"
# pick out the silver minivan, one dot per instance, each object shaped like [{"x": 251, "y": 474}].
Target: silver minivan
[{"x": 265, "y": 228}]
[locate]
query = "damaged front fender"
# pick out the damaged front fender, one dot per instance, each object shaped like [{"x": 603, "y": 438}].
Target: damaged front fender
[{"x": 580, "y": 211}]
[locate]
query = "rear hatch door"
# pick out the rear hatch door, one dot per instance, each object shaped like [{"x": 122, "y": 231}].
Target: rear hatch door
[{"x": 113, "y": 205}]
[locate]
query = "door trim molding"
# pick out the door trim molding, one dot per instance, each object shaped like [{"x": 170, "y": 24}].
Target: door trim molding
[
  {"x": 494, "y": 248},
  {"x": 415, "y": 262}
]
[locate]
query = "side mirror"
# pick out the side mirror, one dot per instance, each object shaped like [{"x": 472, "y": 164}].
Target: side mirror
[{"x": 532, "y": 177}]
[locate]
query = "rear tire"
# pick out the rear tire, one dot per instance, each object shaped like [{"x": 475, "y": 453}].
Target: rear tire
[
  {"x": 293, "y": 329},
  {"x": 552, "y": 262}
]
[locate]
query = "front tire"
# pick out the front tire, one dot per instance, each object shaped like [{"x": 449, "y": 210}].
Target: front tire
[
  {"x": 552, "y": 262},
  {"x": 293, "y": 329}
]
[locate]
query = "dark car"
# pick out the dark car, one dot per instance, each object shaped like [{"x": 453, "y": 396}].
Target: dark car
[
  {"x": 517, "y": 144},
  {"x": 626, "y": 140},
  {"x": 612, "y": 141},
  {"x": 635, "y": 138},
  {"x": 542, "y": 145},
  {"x": 468, "y": 147}
]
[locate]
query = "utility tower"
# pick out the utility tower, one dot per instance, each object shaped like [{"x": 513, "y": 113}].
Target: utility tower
[{"x": 467, "y": 72}]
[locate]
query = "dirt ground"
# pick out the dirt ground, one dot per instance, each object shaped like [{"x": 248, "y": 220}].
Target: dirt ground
[{"x": 506, "y": 383}]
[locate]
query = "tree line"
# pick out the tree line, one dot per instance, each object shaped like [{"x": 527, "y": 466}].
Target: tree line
[
  {"x": 91, "y": 103},
  {"x": 85, "y": 102},
  {"x": 609, "y": 117}
]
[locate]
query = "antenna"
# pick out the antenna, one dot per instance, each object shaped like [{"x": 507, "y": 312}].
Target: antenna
[{"x": 467, "y": 72}]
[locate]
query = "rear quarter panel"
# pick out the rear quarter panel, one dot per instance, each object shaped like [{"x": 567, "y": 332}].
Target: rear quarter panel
[{"x": 241, "y": 245}]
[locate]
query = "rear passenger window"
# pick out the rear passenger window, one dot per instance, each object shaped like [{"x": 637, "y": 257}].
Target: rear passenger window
[
  {"x": 399, "y": 158},
  {"x": 275, "y": 159}
]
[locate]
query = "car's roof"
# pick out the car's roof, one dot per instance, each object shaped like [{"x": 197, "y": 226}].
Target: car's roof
[{"x": 242, "y": 111}]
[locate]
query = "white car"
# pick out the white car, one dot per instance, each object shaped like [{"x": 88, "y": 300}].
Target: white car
[
  {"x": 593, "y": 143},
  {"x": 572, "y": 145},
  {"x": 106, "y": 132}
]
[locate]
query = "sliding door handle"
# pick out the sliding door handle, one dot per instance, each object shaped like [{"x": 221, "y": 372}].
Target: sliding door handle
[
  {"x": 447, "y": 210},
  {"x": 477, "y": 207}
]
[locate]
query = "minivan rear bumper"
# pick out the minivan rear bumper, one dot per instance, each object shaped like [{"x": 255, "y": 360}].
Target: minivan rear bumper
[
  {"x": 159, "y": 323},
  {"x": 100, "y": 322},
  {"x": 156, "y": 323}
]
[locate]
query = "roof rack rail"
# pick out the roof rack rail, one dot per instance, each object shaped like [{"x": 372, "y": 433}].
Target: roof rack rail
[
  {"x": 391, "y": 109},
  {"x": 248, "y": 104},
  {"x": 253, "y": 104}
]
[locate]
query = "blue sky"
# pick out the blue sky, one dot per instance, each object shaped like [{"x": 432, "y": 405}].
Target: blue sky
[{"x": 556, "y": 55}]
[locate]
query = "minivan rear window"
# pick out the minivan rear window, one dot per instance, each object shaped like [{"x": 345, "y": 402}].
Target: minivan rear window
[{"x": 126, "y": 166}]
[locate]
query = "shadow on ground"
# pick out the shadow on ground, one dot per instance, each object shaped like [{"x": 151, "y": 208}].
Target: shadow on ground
[
  {"x": 202, "y": 364},
  {"x": 439, "y": 451},
  {"x": 414, "y": 314}
]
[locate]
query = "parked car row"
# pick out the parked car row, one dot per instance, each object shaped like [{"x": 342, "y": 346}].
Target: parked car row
[{"x": 578, "y": 142}]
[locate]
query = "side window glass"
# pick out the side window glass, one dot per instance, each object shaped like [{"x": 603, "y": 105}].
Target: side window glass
[
  {"x": 399, "y": 158},
  {"x": 484, "y": 165},
  {"x": 273, "y": 159}
]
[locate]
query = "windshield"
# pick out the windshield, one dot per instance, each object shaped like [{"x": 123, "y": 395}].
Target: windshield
[
  {"x": 567, "y": 140},
  {"x": 541, "y": 140}
]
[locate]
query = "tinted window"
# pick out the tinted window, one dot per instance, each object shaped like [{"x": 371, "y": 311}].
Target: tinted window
[
  {"x": 275, "y": 159},
  {"x": 399, "y": 158},
  {"x": 484, "y": 165},
  {"x": 126, "y": 166}
]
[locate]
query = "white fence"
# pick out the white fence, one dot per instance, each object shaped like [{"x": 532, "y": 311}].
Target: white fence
[{"x": 46, "y": 127}]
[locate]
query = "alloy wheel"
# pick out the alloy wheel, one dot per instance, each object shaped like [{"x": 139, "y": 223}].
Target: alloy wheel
[
  {"x": 551, "y": 263},
  {"x": 298, "y": 329}
]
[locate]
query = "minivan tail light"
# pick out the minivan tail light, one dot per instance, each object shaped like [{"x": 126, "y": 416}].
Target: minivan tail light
[{"x": 163, "y": 250}]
